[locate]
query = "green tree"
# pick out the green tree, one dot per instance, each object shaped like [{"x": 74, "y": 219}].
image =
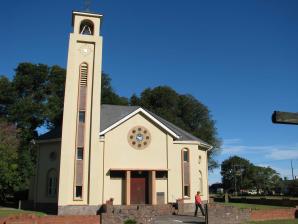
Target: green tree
[
  {"x": 239, "y": 173},
  {"x": 265, "y": 179},
  {"x": 108, "y": 95},
  {"x": 134, "y": 100},
  {"x": 54, "y": 93},
  {"x": 236, "y": 173},
  {"x": 9, "y": 175},
  {"x": 185, "y": 111},
  {"x": 27, "y": 111},
  {"x": 7, "y": 96}
]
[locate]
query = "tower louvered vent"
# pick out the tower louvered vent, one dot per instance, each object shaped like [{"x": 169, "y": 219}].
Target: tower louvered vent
[{"x": 84, "y": 74}]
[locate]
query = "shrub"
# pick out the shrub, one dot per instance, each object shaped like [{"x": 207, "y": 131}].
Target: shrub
[{"x": 130, "y": 221}]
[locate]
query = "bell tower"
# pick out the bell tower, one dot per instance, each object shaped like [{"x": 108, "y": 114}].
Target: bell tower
[{"x": 81, "y": 115}]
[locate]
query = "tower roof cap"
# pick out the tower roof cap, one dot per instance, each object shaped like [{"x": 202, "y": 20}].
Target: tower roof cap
[{"x": 89, "y": 14}]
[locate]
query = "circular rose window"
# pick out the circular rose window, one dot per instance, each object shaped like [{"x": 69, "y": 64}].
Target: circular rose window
[{"x": 139, "y": 137}]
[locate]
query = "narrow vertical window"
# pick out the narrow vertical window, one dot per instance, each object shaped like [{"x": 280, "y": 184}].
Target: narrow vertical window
[
  {"x": 52, "y": 183},
  {"x": 185, "y": 172},
  {"x": 79, "y": 191},
  {"x": 201, "y": 182},
  {"x": 80, "y": 153},
  {"x": 82, "y": 116},
  {"x": 185, "y": 156},
  {"x": 186, "y": 191}
]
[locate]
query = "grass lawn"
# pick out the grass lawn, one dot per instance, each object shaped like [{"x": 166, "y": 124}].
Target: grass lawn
[
  {"x": 12, "y": 211},
  {"x": 276, "y": 222},
  {"x": 252, "y": 206}
]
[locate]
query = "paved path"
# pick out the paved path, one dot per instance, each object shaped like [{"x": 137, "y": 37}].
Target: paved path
[{"x": 176, "y": 219}]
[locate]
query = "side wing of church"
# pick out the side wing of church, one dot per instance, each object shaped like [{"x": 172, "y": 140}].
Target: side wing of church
[{"x": 104, "y": 152}]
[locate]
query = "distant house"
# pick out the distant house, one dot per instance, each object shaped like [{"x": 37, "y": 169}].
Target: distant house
[{"x": 290, "y": 187}]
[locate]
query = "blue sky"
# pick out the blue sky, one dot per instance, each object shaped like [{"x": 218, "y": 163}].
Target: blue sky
[{"x": 240, "y": 58}]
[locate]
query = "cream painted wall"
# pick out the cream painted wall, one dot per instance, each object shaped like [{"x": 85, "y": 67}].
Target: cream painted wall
[
  {"x": 175, "y": 173},
  {"x": 119, "y": 154},
  {"x": 162, "y": 153},
  {"x": 197, "y": 167},
  {"x": 116, "y": 191},
  {"x": 78, "y": 42},
  {"x": 96, "y": 173},
  {"x": 79, "y": 17},
  {"x": 162, "y": 186},
  {"x": 44, "y": 165}
]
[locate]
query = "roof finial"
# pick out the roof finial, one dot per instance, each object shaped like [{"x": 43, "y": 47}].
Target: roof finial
[{"x": 87, "y": 4}]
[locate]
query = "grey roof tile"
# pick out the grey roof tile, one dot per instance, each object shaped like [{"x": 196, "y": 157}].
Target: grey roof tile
[{"x": 110, "y": 114}]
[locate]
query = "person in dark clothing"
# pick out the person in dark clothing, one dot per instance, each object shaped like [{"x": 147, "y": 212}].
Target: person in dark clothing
[{"x": 198, "y": 203}]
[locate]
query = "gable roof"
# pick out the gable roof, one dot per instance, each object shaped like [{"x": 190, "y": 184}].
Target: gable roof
[
  {"x": 114, "y": 115},
  {"x": 122, "y": 110}
]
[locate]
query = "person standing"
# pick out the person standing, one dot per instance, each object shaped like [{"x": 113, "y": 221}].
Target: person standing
[{"x": 198, "y": 203}]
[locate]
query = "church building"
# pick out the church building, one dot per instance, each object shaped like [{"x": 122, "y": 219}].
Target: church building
[{"x": 126, "y": 154}]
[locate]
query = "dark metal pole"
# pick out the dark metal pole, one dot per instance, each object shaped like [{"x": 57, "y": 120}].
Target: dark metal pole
[
  {"x": 206, "y": 213},
  {"x": 292, "y": 170},
  {"x": 235, "y": 185}
]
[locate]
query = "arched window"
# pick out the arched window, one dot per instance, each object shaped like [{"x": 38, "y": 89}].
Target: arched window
[
  {"x": 52, "y": 183},
  {"x": 201, "y": 188},
  {"x": 185, "y": 172},
  {"x": 86, "y": 27}
]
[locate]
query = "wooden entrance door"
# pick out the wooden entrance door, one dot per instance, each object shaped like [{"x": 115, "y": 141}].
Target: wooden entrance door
[{"x": 139, "y": 192}]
